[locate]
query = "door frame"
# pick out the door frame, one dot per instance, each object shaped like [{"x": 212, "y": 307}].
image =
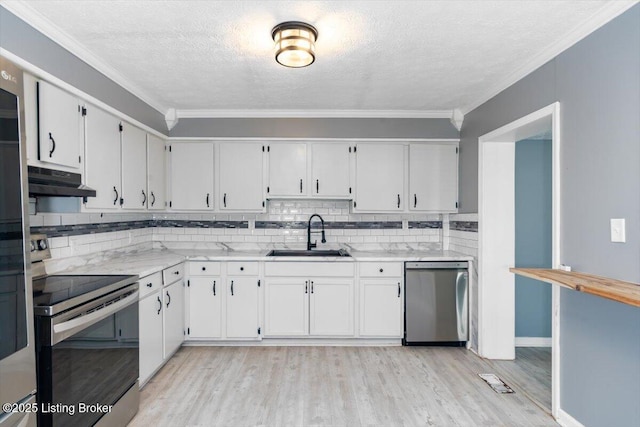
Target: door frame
[{"x": 496, "y": 237}]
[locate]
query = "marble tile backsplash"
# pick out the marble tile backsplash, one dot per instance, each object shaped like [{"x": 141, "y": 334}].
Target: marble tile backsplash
[{"x": 284, "y": 224}]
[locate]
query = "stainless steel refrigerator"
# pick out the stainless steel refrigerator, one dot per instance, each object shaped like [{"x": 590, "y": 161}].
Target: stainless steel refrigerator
[
  {"x": 17, "y": 353},
  {"x": 436, "y": 303}
]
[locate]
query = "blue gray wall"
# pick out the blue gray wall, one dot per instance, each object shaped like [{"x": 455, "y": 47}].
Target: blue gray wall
[
  {"x": 598, "y": 85},
  {"x": 533, "y": 235},
  {"x": 316, "y": 128},
  {"x": 22, "y": 40}
]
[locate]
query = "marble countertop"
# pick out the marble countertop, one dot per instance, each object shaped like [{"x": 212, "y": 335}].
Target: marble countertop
[{"x": 144, "y": 261}]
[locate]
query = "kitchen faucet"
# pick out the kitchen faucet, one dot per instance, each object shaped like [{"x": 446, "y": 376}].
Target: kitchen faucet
[{"x": 313, "y": 245}]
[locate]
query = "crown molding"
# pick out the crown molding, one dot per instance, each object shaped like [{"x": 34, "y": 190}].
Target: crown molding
[
  {"x": 39, "y": 73},
  {"x": 404, "y": 114},
  {"x": 39, "y": 22},
  {"x": 607, "y": 13}
]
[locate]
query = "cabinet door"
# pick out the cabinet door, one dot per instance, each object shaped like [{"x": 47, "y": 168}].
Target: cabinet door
[
  {"x": 433, "y": 177},
  {"x": 330, "y": 170},
  {"x": 379, "y": 178},
  {"x": 173, "y": 317},
  {"x": 134, "y": 167},
  {"x": 331, "y": 307},
  {"x": 287, "y": 169},
  {"x": 156, "y": 172},
  {"x": 192, "y": 176},
  {"x": 205, "y": 315},
  {"x": 102, "y": 165},
  {"x": 286, "y": 307},
  {"x": 150, "y": 321},
  {"x": 240, "y": 177},
  {"x": 381, "y": 312},
  {"x": 59, "y": 126},
  {"x": 242, "y": 307}
]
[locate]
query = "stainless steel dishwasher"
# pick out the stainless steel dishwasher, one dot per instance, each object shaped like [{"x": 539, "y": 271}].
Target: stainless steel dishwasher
[{"x": 436, "y": 303}]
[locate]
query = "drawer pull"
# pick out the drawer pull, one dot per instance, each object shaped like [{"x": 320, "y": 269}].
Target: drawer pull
[
  {"x": 176, "y": 272},
  {"x": 381, "y": 270},
  {"x": 149, "y": 285},
  {"x": 204, "y": 268},
  {"x": 241, "y": 268}
]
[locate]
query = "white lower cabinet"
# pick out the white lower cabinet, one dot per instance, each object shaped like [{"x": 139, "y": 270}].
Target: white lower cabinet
[
  {"x": 331, "y": 307},
  {"x": 173, "y": 319},
  {"x": 318, "y": 305},
  {"x": 205, "y": 307},
  {"x": 242, "y": 308},
  {"x": 381, "y": 300},
  {"x": 286, "y": 307},
  {"x": 223, "y": 301},
  {"x": 161, "y": 319},
  {"x": 150, "y": 320}
]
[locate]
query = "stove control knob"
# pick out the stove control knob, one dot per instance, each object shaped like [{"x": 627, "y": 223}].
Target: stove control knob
[
  {"x": 42, "y": 244},
  {"x": 33, "y": 246}
]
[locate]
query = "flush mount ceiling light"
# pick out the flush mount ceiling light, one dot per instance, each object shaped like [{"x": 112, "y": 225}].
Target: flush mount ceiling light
[{"x": 295, "y": 43}]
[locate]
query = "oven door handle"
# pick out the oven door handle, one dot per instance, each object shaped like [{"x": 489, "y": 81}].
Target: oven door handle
[{"x": 66, "y": 329}]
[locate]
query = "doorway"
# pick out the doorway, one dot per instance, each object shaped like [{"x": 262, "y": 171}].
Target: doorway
[{"x": 496, "y": 237}]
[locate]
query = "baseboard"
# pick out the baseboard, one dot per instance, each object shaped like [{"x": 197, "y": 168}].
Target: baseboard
[
  {"x": 533, "y": 342},
  {"x": 299, "y": 342},
  {"x": 566, "y": 420}
]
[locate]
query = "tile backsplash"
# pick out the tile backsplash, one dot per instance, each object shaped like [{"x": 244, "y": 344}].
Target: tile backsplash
[{"x": 284, "y": 224}]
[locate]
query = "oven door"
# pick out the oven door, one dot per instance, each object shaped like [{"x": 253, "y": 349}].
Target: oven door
[{"x": 91, "y": 359}]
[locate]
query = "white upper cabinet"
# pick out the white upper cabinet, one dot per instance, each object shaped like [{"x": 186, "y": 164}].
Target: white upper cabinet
[
  {"x": 433, "y": 177},
  {"x": 287, "y": 170},
  {"x": 330, "y": 170},
  {"x": 134, "y": 167},
  {"x": 102, "y": 165},
  {"x": 59, "y": 126},
  {"x": 156, "y": 173},
  {"x": 379, "y": 178},
  {"x": 240, "y": 174},
  {"x": 191, "y": 176}
]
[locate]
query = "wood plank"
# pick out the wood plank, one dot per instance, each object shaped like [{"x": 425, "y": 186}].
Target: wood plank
[
  {"x": 339, "y": 386},
  {"x": 613, "y": 289}
]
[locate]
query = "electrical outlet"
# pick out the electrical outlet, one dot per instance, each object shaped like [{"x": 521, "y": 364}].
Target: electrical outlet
[{"x": 618, "y": 234}]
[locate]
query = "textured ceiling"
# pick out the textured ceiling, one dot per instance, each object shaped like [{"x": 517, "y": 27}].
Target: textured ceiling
[{"x": 371, "y": 55}]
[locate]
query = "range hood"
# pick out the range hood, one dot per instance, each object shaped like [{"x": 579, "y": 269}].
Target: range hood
[{"x": 55, "y": 183}]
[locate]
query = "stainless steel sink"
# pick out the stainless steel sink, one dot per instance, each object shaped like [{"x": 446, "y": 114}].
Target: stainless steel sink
[{"x": 301, "y": 252}]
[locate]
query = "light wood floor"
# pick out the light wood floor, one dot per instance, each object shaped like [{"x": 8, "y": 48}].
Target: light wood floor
[
  {"x": 530, "y": 372},
  {"x": 330, "y": 386}
]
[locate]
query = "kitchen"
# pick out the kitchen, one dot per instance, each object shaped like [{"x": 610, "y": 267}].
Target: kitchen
[{"x": 376, "y": 203}]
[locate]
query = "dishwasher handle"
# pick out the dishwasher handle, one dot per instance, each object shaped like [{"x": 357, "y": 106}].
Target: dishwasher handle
[{"x": 431, "y": 265}]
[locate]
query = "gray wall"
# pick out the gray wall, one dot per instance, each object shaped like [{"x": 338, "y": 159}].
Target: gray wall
[
  {"x": 21, "y": 39},
  {"x": 533, "y": 235},
  {"x": 598, "y": 85},
  {"x": 316, "y": 128}
]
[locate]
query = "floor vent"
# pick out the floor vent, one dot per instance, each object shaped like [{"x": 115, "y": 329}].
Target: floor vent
[{"x": 496, "y": 383}]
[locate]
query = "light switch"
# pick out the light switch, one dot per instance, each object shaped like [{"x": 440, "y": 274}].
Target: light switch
[{"x": 618, "y": 234}]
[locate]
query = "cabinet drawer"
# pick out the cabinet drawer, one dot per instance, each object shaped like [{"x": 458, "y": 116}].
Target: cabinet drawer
[
  {"x": 242, "y": 268},
  {"x": 381, "y": 269},
  {"x": 172, "y": 274},
  {"x": 204, "y": 268},
  {"x": 150, "y": 283},
  {"x": 308, "y": 269}
]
